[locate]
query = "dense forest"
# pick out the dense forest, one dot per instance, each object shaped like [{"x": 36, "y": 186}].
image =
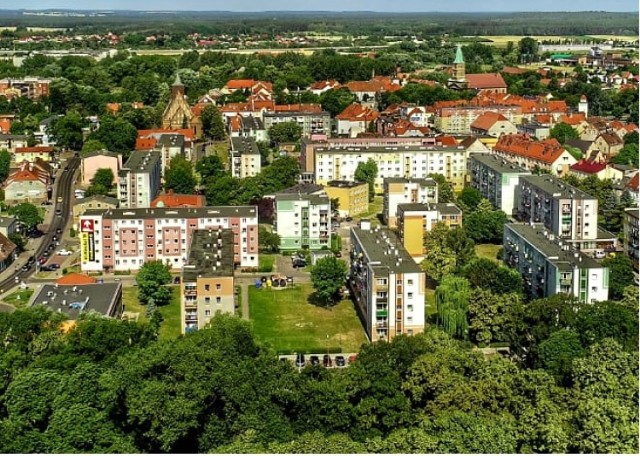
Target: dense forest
[
  {"x": 110, "y": 386},
  {"x": 357, "y": 23}
]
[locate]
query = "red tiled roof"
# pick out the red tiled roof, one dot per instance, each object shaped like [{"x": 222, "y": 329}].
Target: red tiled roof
[
  {"x": 146, "y": 143},
  {"x": 633, "y": 182},
  {"x": 586, "y": 167},
  {"x": 321, "y": 85},
  {"x": 575, "y": 118},
  {"x": 25, "y": 150},
  {"x": 75, "y": 278},
  {"x": 513, "y": 70},
  {"x": 178, "y": 200},
  {"x": 113, "y": 107},
  {"x": 546, "y": 151},
  {"x": 375, "y": 85},
  {"x": 611, "y": 139},
  {"x": 356, "y": 112},
  {"x": 299, "y": 107},
  {"x": 240, "y": 84},
  {"x": 487, "y": 120},
  {"x": 446, "y": 141},
  {"x": 486, "y": 81},
  {"x": 188, "y": 134}
]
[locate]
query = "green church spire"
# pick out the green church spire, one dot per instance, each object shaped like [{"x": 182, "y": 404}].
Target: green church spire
[{"x": 459, "y": 56}]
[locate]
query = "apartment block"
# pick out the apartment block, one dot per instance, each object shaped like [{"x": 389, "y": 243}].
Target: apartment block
[
  {"x": 312, "y": 121},
  {"x": 496, "y": 179},
  {"x": 245, "y": 158},
  {"x": 416, "y": 219},
  {"x": 459, "y": 119},
  {"x": 139, "y": 179},
  {"x": 123, "y": 239},
  {"x": 399, "y": 190},
  {"x": 353, "y": 197},
  {"x": 547, "y": 155},
  {"x": 387, "y": 285},
  {"x": 207, "y": 285},
  {"x": 565, "y": 211},
  {"x": 303, "y": 217},
  {"x": 630, "y": 226},
  {"x": 550, "y": 266}
]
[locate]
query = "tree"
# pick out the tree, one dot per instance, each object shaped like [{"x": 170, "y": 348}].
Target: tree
[
  {"x": 627, "y": 156},
  {"x": 27, "y": 214},
  {"x": 210, "y": 167},
  {"x": 461, "y": 245},
  {"x": 283, "y": 172},
  {"x": 469, "y": 197},
  {"x": 490, "y": 275},
  {"x": 285, "y": 132},
  {"x": 528, "y": 48},
  {"x": 493, "y": 318},
  {"x": 452, "y": 304},
  {"x": 336, "y": 100},
  {"x": 557, "y": 353},
  {"x": 445, "y": 189},
  {"x": 563, "y": 132},
  {"x": 620, "y": 274},
  {"x": 328, "y": 277},
  {"x": 101, "y": 183},
  {"x": 439, "y": 260},
  {"x": 269, "y": 241},
  {"x": 485, "y": 226},
  {"x": 67, "y": 130},
  {"x": 367, "y": 172},
  {"x": 179, "y": 176},
  {"x": 608, "y": 319},
  {"x": 92, "y": 145},
  {"x": 5, "y": 162},
  {"x": 117, "y": 134},
  {"x": 152, "y": 279},
  {"x": 212, "y": 123},
  {"x": 18, "y": 240}
]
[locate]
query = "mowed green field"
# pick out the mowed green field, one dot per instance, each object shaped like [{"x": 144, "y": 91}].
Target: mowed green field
[
  {"x": 170, "y": 326},
  {"x": 289, "y": 323}
]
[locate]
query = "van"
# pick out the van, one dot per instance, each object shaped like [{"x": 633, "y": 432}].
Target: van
[{"x": 599, "y": 253}]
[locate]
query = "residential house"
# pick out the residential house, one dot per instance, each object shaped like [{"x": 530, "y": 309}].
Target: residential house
[
  {"x": 609, "y": 144},
  {"x": 207, "y": 282},
  {"x": 92, "y": 162},
  {"x": 30, "y": 154},
  {"x": 8, "y": 252},
  {"x": 320, "y": 87},
  {"x": 414, "y": 220},
  {"x": 547, "y": 155},
  {"x": 550, "y": 266},
  {"x": 353, "y": 197},
  {"x": 29, "y": 183},
  {"x": 355, "y": 119},
  {"x": 387, "y": 285},
  {"x": 240, "y": 126},
  {"x": 492, "y": 124},
  {"x": 124, "y": 239},
  {"x": 302, "y": 218},
  {"x": 8, "y": 225},
  {"x": 31, "y": 87},
  {"x": 245, "y": 158},
  {"x": 139, "y": 179},
  {"x": 11, "y": 142},
  {"x": 496, "y": 179},
  {"x": 601, "y": 170},
  {"x": 399, "y": 190},
  {"x": 630, "y": 230},
  {"x": 93, "y": 202}
]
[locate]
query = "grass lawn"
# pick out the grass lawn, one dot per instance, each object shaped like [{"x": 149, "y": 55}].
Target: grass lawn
[
  {"x": 170, "y": 327},
  {"x": 19, "y": 298},
  {"x": 265, "y": 262},
  {"x": 289, "y": 323},
  {"x": 488, "y": 251},
  {"x": 375, "y": 208}
]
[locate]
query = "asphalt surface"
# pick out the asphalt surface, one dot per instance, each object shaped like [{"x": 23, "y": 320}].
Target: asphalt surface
[{"x": 63, "y": 188}]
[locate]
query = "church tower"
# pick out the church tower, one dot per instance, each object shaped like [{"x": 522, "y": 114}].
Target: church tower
[
  {"x": 458, "y": 65},
  {"x": 178, "y": 114},
  {"x": 177, "y": 88}
]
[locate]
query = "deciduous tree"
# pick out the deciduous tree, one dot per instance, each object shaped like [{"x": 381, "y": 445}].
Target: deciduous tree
[
  {"x": 328, "y": 277},
  {"x": 179, "y": 176},
  {"x": 27, "y": 214},
  {"x": 152, "y": 280}
]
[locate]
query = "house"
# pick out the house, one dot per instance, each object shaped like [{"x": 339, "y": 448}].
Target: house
[
  {"x": 630, "y": 236},
  {"x": 400, "y": 190},
  {"x": 5, "y": 123},
  {"x": 601, "y": 170},
  {"x": 546, "y": 155},
  {"x": 31, "y": 182},
  {"x": 303, "y": 217},
  {"x": 245, "y": 157},
  {"x": 320, "y": 87},
  {"x": 310, "y": 117},
  {"x": 355, "y": 119},
  {"x": 492, "y": 124},
  {"x": 8, "y": 252},
  {"x": 608, "y": 144},
  {"x": 92, "y": 162},
  {"x": 549, "y": 266},
  {"x": 367, "y": 91},
  {"x": 73, "y": 300},
  {"x": 169, "y": 145},
  {"x": 173, "y": 200},
  {"x": 353, "y": 197},
  {"x": 240, "y": 126},
  {"x": 42, "y": 134},
  {"x": 30, "y": 154},
  {"x": 207, "y": 279},
  {"x": 8, "y": 225},
  {"x": 123, "y": 239},
  {"x": 11, "y": 142},
  {"x": 388, "y": 287},
  {"x": 93, "y": 202},
  {"x": 76, "y": 278}
]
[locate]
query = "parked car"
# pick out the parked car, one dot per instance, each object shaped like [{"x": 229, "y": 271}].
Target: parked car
[
  {"x": 59, "y": 200},
  {"x": 315, "y": 360},
  {"x": 349, "y": 219},
  {"x": 46, "y": 268},
  {"x": 352, "y": 358},
  {"x": 300, "y": 360},
  {"x": 58, "y": 211},
  {"x": 299, "y": 263},
  {"x": 42, "y": 260},
  {"x": 58, "y": 230},
  {"x": 51, "y": 247},
  {"x": 326, "y": 361},
  {"x": 64, "y": 252},
  {"x": 25, "y": 267},
  {"x": 54, "y": 266},
  {"x": 340, "y": 361},
  {"x": 54, "y": 238}
]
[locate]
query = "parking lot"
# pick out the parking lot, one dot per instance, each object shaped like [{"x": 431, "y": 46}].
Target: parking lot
[{"x": 337, "y": 360}]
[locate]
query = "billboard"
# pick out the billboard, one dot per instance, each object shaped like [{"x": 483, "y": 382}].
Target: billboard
[
  {"x": 86, "y": 226},
  {"x": 87, "y": 247}
]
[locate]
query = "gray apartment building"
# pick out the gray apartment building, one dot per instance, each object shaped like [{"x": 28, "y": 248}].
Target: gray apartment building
[
  {"x": 630, "y": 226},
  {"x": 139, "y": 179},
  {"x": 312, "y": 122}
]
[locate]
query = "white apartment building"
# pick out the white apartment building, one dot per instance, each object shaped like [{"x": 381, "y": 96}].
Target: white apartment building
[
  {"x": 387, "y": 285},
  {"x": 123, "y": 239},
  {"x": 139, "y": 180},
  {"x": 245, "y": 158},
  {"x": 303, "y": 217},
  {"x": 398, "y": 190},
  {"x": 550, "y": 266}
]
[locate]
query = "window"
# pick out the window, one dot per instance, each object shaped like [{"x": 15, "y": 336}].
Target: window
[
  {"x": 218, "y": 299},
  {"x": 218, "y": 286},
  {"x": 410, "y": 295},
  {"x": 410, "y": 282},
  {"x": 207, "y": 313},
  {"x": 207, "y": 300},
  {"x": 207, "y": 287}
]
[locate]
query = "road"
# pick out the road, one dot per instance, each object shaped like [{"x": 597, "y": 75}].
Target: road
[{"x": 63, "y": 188}]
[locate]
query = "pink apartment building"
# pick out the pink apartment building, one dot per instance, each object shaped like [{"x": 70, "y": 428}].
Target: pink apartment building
[
  {"x": 96, "y": 160},
  {"x": 124, "y": 239}
]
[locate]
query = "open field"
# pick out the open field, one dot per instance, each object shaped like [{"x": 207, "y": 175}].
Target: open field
[
  {"x": 19, "y": 298},
  {"x": 502, "y": 40},
  {"x": 170, "y": 326},
  {"x": 488, "y": 251},
  {"x": 289, "y": 323}
]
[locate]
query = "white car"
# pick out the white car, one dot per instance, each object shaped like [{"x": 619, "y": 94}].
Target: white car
[{"x": 64, "y": 252}]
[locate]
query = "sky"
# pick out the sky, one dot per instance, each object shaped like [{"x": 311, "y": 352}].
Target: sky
[{"x": 332, "y": 5}]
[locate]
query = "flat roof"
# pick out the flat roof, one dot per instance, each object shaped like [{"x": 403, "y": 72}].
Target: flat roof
[
  {"x": 7, "y": 221},
  {"x": 101, "y": 198},
  {"x": 498, "y": 164},
  {"x": 142, "y": 161},
  {"x": 244, "y": 146},
  {"x": 564, "y": 259},
  {"x": 174, "y": 212},
  {"x": 443, "y": 208},
  {"x": 555, "y": 187},
  {"x": 387, "y": 149},
  {"x": 380, "y": 245},
  {"x": 72, "y": 300},
  {"x": 344, "y": 184},
  {"x": 448, "y": 208},
  {"x": 208, "y": 257},
  {"x": 297, "y": 114},
  {"x": 424, "y": 182},
  {"x": 301, "y": 189}
]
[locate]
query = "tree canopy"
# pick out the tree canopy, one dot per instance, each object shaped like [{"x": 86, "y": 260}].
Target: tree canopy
[
  {"x": 27, "y": 214},
  {"x": 179, "y": 176},
  {"x": 328, "y": 276}
]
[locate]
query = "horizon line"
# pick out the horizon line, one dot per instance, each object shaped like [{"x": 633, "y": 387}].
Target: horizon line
[{"x": 311, "y": 11}]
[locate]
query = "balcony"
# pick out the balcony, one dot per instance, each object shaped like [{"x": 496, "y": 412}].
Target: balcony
[{"x": 565, "y": 282}]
